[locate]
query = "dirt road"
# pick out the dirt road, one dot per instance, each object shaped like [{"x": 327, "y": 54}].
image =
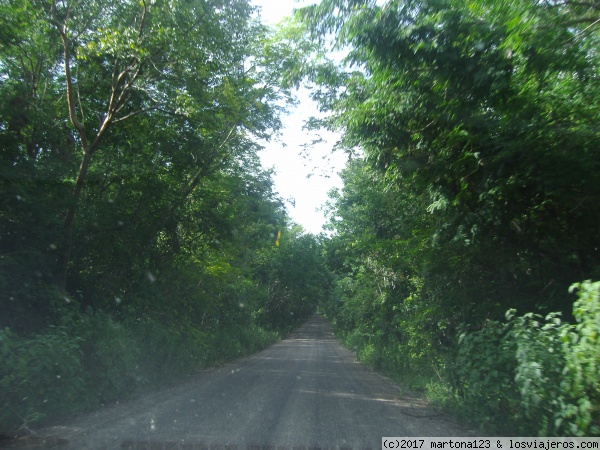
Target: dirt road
[{"x": 303, "y": 392}]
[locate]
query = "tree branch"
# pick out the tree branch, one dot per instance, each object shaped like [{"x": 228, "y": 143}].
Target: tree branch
[
  {"x": 135, "y": 113},
  {"x": 143, "y": 19},
  {"x": 62, "y": 30},
  {"x": 590, "y": 26},
  {"x": 592, "y": 20}
]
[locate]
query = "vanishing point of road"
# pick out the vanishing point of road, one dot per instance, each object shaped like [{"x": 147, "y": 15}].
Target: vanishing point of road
[{"x": 304, "y": 392}]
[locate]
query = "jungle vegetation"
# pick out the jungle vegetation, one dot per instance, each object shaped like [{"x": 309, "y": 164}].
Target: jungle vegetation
[{"x": 141, "y": 240}]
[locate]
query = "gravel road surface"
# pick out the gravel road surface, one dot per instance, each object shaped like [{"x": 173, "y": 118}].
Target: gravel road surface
[{"x": 305, "y": 392}]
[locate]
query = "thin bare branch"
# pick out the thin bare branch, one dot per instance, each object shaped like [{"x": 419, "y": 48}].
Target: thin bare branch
[
  {"x": 590, "y": 26},
  {"x": 79, "y": 96},
  {"x": 143, "y": 19},
  {"x": 228, "y": 136},
  {"x": 592, "y": 20},
  {"x": 135, "y": 113},
  {"x": 62, "y": 30}
]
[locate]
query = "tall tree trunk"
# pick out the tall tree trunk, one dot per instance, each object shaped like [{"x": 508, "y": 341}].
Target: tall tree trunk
[
  {"x": 116, "y": 101},
  {"x": 67, "y": 244}
]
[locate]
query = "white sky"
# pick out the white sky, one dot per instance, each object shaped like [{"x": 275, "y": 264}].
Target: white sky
[{"x": 306, "y": 180}]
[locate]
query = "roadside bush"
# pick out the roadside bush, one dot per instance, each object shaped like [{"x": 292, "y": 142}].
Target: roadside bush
[
  {"x": 254, "y": 338},
  {"x": 111, "y": 357},
  {"x": 579, "y": 404},
  {"x": 485, "y": 366},
  {"x": 525, "y": 375},
  {"x": 39, "y": 377},
  {"x": 167, "y": 353},
  {"x": 534, "y": 374},
  {"x": 232, "y": 342},
  {"x": 93, "y": 359}
]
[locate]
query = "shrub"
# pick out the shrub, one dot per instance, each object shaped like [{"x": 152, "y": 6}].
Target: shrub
[
  {"x": 93, "y": 359},
  {"x": 485, "y": 367},
  {"x": 40, "y": 376},
  {"x": 579, "y": 404},
  {"x": 533, "y": 374},
  {"x": 168, "y": 353},
  {"x": 111, "y": 357}
]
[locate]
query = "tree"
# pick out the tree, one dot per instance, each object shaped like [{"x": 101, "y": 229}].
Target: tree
[
  {"x": 483, "y": 112},
  {"x": 114, "y": 114},
  {"x": 474, "y": 191},
  {"x": 181, "y": 66},
  {"x": 297, "y": 277}
]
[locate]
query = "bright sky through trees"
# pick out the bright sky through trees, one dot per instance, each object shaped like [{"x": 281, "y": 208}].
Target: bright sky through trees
[{"x": 303, "y": 178}]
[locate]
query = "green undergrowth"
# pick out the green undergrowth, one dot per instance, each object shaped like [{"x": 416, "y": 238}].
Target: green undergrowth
[
  {"x": 386, "y": 360},
  {"x": 93, "y": 359},
  {"x": 527, "y": 375}
]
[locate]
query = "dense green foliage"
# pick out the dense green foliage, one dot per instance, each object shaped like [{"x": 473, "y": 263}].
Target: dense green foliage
[
  {"x": 300, "y": 281},
  {"x": 535, "y": 373},
  {"x": 138, "y": 231},
  {"x": 95, "y": 360},
  {"x": 473, "y": 189},
  {"x": 141, "y": 240}
]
